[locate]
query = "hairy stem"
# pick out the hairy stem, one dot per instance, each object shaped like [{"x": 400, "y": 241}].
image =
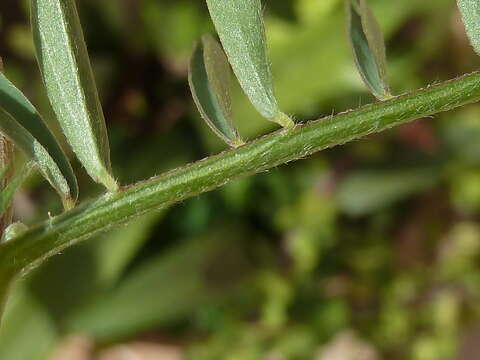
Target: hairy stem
[{"x": 34, "y": 246}]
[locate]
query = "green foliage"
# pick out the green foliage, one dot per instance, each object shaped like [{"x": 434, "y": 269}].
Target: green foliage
[{"x": 65, "y": 66}]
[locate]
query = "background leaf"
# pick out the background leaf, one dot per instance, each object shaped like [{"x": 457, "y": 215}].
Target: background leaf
[
  {"x": 92, "y": 268},
  {"x": 209, "y": 79},
  {"x": 26, "y": 319},
  {"x": 197, "y": 270},
  {"x": 366, "y": 192},
  {"x": 67, "y": 74}
]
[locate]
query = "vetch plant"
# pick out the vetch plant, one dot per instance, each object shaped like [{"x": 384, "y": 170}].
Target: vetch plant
[{"x": 71, "y": 89}]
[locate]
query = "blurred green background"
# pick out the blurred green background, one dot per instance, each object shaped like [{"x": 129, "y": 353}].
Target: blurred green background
[{"x": 366, "y": 251}]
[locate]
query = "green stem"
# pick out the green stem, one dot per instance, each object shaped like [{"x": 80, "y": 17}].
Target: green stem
[{"x": 49, "y": 238}]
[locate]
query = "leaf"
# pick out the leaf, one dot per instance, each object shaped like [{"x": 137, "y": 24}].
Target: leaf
[
  {"x": 24, "y": 319},
  {"x": 6, "y": 195},
  {"x": 103, "y": 260},
  {"x": 365, "y": 192},
  {"x": 115, "y": 251},
  {"x": 23, "y": 125},
  {"x": 470, "y": 10},
  {"x": 208, "y": 77},
  {"x": 145, "y": 299},
  {"x": 368, "y": 46},
  {"x": 67, "y": 74},
  {"x": 240, "y": 27}
]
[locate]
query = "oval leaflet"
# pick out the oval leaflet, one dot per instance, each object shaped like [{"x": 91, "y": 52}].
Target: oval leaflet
[
  {"x": 209, "y": 78},
  {"x": 368, "y": 47},
  {"x": 67, "y": 74},
  {"x": 22, "y": 124},
  {"x": 241, "y": 30}
]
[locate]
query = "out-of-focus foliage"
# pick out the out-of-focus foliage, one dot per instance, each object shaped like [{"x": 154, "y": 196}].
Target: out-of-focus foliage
[{"x": 371, "y": 247}]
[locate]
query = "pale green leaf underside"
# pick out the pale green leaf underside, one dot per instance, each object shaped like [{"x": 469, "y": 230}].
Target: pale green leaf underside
[
  {"x": 218, "y": 75},
  {"x": 470, "y": 10},
  {"x": 368, "y": 47},
  {"x": 241, "y": 30},
  {"x": 67, "y": 74},
  {"x": 23, "y": 125},
  {"x": 209, "y": 77}
]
